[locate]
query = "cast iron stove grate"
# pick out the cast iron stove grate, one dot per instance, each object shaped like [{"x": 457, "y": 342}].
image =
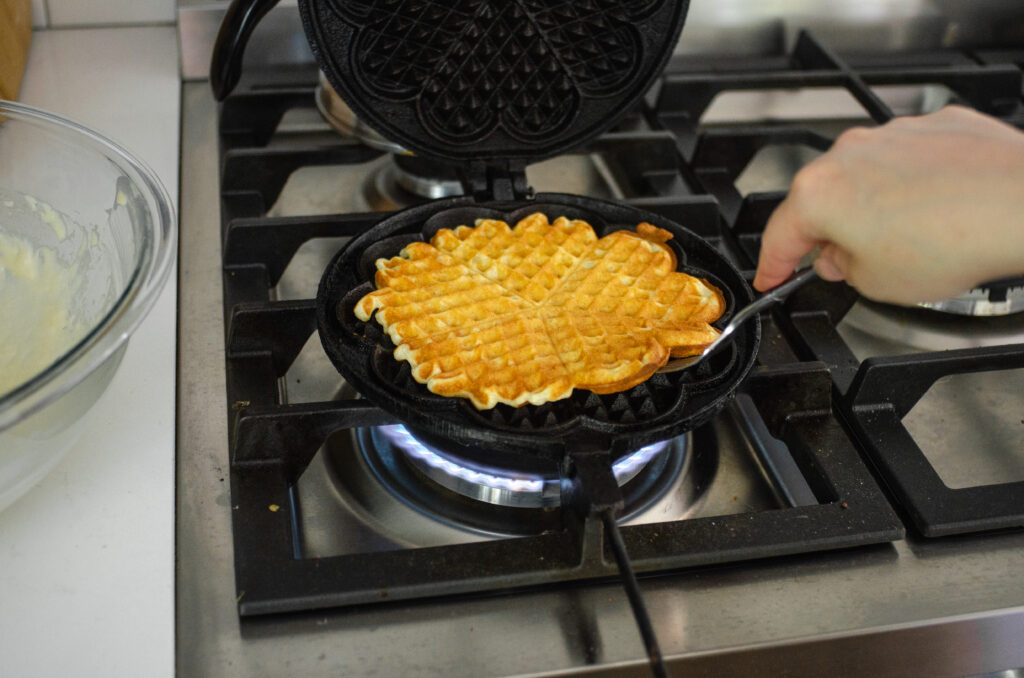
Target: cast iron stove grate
[
  {"x": 271, "y": 441},
  {"x": 872, "y": 397}
]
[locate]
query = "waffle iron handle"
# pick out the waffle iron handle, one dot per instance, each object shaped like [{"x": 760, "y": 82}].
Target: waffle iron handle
[
  {"x": 636, "y": 600},
  {"x": 226, "y": 63},
  {"x": 594, "y": 491}
]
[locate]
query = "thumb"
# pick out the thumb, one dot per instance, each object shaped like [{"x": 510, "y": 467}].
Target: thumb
[{"x": 783, "y": 245}]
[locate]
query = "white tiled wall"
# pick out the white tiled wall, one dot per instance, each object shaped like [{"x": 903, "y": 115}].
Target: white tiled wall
[
  {"x": 39, "y": 15},
  {"x": 62, "y": 13}
]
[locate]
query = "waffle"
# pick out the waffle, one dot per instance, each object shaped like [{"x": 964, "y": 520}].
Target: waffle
[{"x": 526, "y": 314}]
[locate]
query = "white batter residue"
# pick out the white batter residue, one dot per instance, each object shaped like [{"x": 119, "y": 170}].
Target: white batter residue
[
  {"x": 36, "y": 322},
  {"x": 48, "y": 215}
]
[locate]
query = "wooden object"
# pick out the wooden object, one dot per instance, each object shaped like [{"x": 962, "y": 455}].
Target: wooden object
[{"x": 15, "y": 36}]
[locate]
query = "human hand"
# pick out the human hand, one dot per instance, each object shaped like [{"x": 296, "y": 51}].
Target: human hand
[{"x": 919, "y": 209}]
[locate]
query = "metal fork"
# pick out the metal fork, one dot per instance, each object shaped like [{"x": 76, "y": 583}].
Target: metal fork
[{"x": 772, "y": 296}]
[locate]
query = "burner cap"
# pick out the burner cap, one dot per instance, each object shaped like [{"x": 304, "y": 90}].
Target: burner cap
[{"x": 405, "y": 180}]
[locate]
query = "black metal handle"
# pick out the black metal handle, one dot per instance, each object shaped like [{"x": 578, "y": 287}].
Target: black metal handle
[
  {"x": 594, "y": 492},
  {"x": 226, "y": 63}
]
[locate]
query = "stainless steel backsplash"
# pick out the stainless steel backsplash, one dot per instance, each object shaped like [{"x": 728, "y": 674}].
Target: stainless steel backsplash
[{"x": 747, "y": 27}]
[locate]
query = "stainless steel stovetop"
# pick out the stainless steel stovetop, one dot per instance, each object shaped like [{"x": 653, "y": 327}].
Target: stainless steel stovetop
[{"x": 949, "y": 606}]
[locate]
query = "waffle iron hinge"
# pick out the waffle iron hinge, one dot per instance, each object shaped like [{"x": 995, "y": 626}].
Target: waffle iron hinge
[
  {"x": 590, "y": 490},
  {"x": 496, "y": 180}
]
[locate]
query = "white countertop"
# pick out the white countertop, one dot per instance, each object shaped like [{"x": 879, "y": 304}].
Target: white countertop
[{"x": 87, "y": 556}]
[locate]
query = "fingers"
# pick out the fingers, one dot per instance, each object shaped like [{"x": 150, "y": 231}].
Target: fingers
[
  {"x": 784, "y": 243},
  {"x": 913, "y": 210}
]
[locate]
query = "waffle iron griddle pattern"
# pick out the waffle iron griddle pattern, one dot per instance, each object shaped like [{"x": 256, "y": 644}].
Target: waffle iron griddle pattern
[{"x": 470, "y": 79}]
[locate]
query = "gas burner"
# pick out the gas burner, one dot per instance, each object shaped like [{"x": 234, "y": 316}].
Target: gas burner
[
  {"x": 409, "y": 180},
  {"x": 343, "y": 119},
  {"x": 889, "y": 329},
  {"x": 495, "y": 485},
  {"x": 997, "y": 299},
  {"x": 452, "y": 491}
]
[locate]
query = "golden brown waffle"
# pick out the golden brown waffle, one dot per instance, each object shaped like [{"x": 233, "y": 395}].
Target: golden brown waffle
[{"x": 527, "y": 314}]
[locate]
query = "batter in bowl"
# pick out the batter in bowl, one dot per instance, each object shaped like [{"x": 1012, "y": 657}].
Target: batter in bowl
[{"x": 37, "y": 324}]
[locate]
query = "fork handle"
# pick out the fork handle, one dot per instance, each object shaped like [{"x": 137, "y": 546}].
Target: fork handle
[
  {"x": 772, "y": 296},
  {"x": 797, "y": 279}
]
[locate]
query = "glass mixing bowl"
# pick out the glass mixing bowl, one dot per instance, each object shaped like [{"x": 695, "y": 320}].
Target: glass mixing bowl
[{"x": 87, "y": 239}]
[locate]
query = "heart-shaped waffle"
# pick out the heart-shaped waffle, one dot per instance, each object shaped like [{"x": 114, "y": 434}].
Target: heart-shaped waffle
[{"x": 526, "y": 314}]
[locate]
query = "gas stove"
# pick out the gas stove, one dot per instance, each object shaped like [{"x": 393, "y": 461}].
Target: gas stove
[{"x": 845, "y": 513}]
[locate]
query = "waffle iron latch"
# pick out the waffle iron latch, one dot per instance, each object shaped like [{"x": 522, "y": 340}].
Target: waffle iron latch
[{"x": 496, "y": 180}]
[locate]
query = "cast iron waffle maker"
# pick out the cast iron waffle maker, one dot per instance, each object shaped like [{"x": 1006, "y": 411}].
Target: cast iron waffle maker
[{"x": 491, "y": 87}]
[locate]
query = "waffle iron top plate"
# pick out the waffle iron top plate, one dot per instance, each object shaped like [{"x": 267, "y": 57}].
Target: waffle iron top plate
[{"x": 489, "y": 80}]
